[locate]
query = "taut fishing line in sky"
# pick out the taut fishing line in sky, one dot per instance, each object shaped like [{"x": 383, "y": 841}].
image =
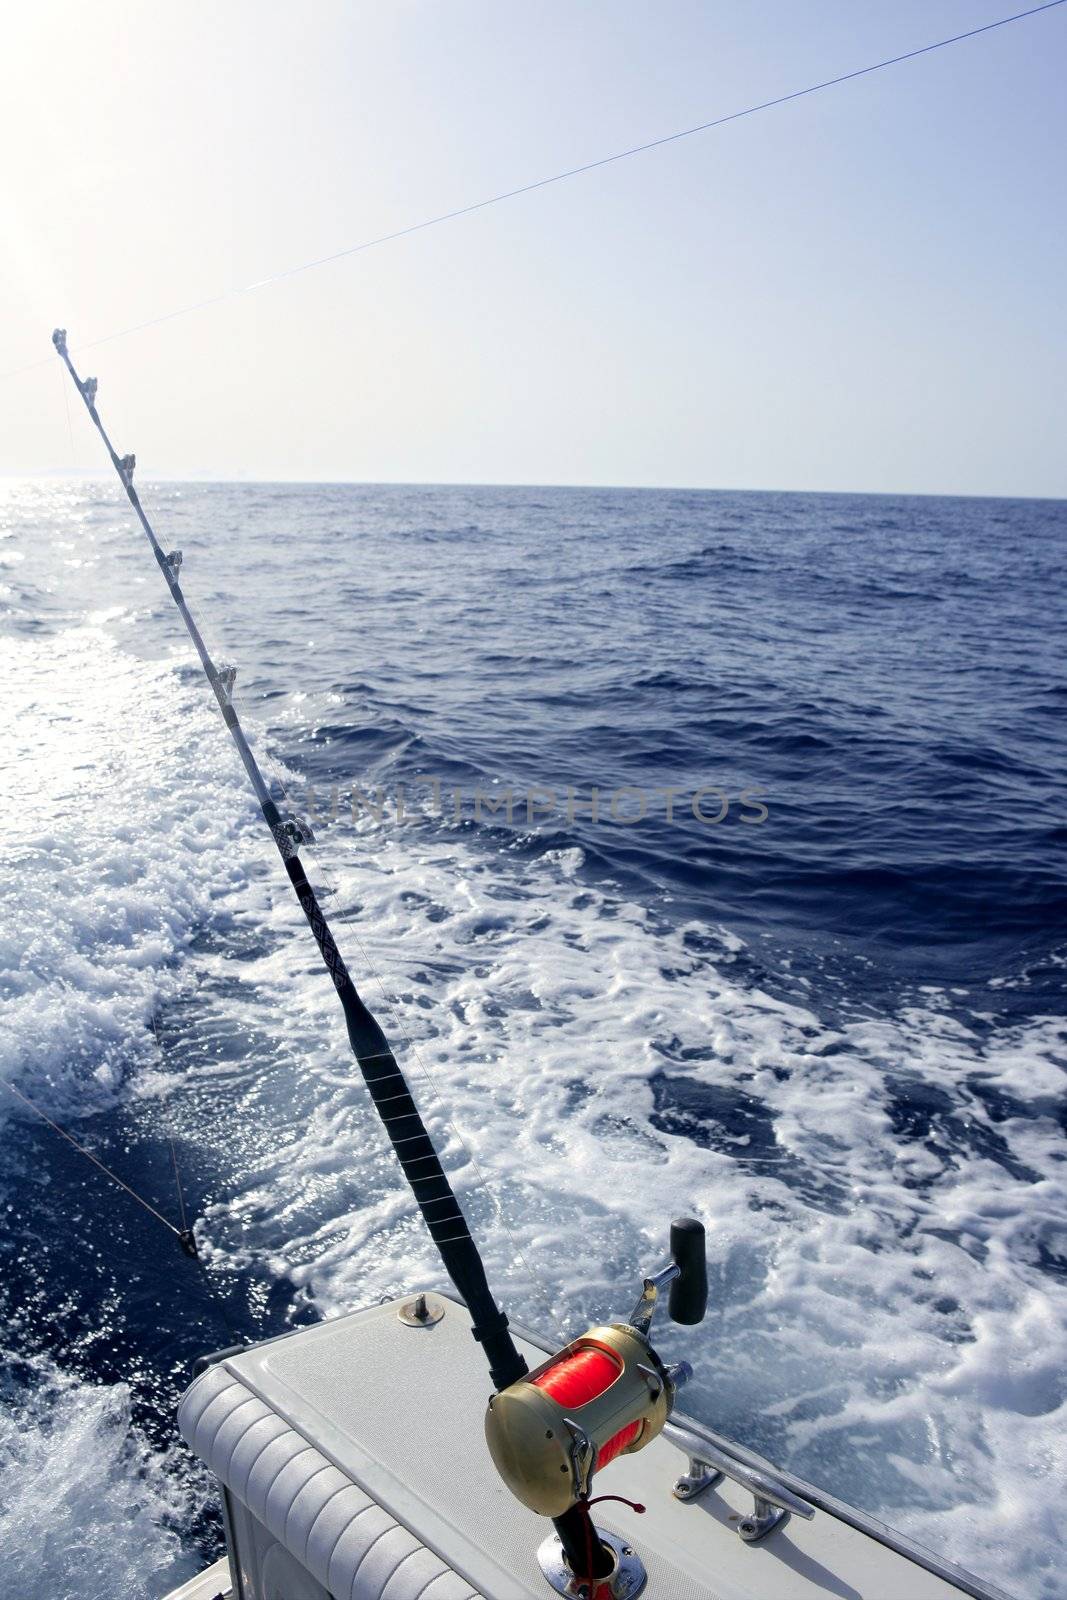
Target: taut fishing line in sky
[{"x": 544, "y": 183}]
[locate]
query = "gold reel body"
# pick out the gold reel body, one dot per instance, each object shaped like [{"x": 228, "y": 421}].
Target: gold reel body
[{"x": 605, "y": 1394}]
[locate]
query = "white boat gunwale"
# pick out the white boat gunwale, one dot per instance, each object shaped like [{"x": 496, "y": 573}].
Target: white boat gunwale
[{"x": 689, "y": 1429}]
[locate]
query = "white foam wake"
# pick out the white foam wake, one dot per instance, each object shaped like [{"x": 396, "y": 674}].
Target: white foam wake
[
  {"x": 882, "y": 1316},
  {"x": 120, "y": 819},
  {"x": 881, "y": 1321},
  {"x": 87, "y": 1508}
]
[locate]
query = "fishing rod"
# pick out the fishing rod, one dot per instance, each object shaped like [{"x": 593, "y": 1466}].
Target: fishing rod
[
  {"x": 603, "y": 1395},
  {"x": 419, "y": 1161}
]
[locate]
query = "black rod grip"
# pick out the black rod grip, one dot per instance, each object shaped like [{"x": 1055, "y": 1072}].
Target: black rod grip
[{"x": 689, "y": 1291}]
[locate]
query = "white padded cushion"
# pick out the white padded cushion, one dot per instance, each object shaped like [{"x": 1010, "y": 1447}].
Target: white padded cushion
[{"x": 349, "y": 1544}]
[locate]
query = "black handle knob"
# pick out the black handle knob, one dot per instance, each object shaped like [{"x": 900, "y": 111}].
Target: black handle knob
[{"x": 689, "y": 1291}]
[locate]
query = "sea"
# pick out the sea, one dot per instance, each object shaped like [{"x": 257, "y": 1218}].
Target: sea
[{"x": 700, "y": 852}]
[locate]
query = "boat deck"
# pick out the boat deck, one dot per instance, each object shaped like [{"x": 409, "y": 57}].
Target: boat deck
[{"x": 361, "y": 1439}]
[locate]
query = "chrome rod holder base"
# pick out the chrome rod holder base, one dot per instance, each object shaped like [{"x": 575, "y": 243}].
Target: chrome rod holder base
[{"x": 626, "y": 1579}]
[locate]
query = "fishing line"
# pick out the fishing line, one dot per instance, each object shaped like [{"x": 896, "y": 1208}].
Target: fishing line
[
  {"x": 141, "y": 1201},
  {"x": 557, "y": 177},
  {"x": 184, "y": 1234},
  {"x": 70, "y": 425},
  {"x": 212, "y": 1289},
  {"x": 177, "y": 1174},
  {"x": 196, "y": 1038},
  {"x": 166, "y": 1108},
  {"x": 140, "y": 925}
]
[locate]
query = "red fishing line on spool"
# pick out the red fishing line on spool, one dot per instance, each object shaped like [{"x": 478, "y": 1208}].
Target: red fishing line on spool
[
  {"x": 617, "y": 1443},
  {"x": 581, "y": 1377}
]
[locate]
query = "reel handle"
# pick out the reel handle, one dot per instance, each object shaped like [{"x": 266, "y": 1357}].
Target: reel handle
[{"x": 688, "y": 1298}]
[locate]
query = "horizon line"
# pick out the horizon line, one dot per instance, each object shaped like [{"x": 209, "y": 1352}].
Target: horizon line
[{"x": 101, "y": 474}]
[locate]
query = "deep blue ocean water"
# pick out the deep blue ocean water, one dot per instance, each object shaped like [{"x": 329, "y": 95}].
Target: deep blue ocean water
[{"x": 803, "y": 971}]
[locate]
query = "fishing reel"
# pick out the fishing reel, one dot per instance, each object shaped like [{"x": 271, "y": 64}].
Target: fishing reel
[{"x": 603, "y": 1395}]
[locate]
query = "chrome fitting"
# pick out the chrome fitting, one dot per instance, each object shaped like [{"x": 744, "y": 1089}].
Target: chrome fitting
[
  {"x": 625, "y": 1580},
  {"x": 773, "y": 1501}
]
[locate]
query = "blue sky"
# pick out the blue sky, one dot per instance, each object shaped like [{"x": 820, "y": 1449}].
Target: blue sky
[{"x": 859, "y": 291}]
